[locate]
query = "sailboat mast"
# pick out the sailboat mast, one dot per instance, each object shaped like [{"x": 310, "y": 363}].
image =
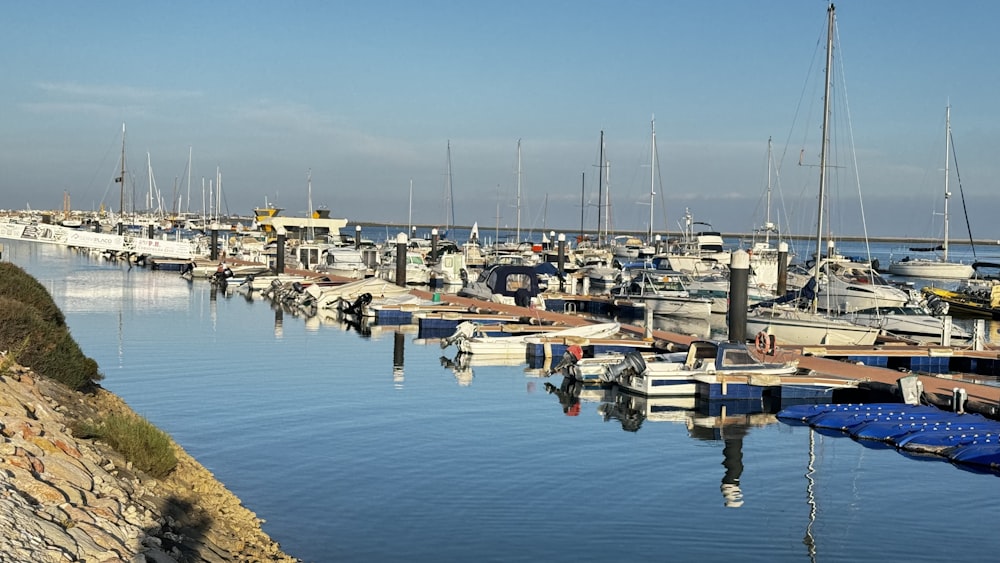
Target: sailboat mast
[
  {"x": 583, "y": 198},
  {"x": 409, "y": 216},
  {"x": 823, "y": 150},
  {"x": 652, "y": 180},
  {"x": 189, "y": 180},
  {"x": 518, "y": 191},
  {"x": 767, "y": 212},
  {"x": 947, "y": 160},
  {"x": 121, "y": 198},
  {"x": 600, "y": 187},
  {"x": 449, "y": 220}
]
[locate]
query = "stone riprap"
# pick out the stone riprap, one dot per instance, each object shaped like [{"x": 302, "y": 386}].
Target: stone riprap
[{"x": 69, "y": 499}]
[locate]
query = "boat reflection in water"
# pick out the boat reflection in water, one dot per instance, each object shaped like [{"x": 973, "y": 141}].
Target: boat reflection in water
[{"x": 717, "y": 421}]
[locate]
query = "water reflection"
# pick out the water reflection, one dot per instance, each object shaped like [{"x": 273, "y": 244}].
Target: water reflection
[{"x": 728, "y": 422}]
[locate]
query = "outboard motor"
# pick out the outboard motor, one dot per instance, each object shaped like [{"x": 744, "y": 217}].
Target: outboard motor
[
  {"x": 632, "y": 364},
  {"x": 357, "y": 307},
  {"x": 569, "y": 359},
  {"x": 937, "y": 306},
  {"x": 463, "y": 331}
]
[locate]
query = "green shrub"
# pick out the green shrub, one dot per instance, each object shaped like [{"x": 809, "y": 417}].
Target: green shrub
[
  {"x": 146, "y": 446},
  {"x": 19, "y": 285},
  {"x": 44, "y": 346}
]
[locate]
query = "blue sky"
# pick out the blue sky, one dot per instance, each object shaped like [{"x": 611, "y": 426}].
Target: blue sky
[{"x": 366, "y": 96}]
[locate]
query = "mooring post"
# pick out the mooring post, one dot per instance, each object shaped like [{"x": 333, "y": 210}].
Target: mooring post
[
  {"x": 398, "y": 343},
  {"x": 150, "y": 230},
  {"x": 213, "y": 253},
  {"x": 782, "y": 268},
  {"x": 357, "y": 237},
  {"x": 279, "y": 257},
  {"x": 434, "y": 246},
  {"x": 562, "y": 261},
  {"x": 401, "y": 259},
  {"x": 739, "y": 273}
]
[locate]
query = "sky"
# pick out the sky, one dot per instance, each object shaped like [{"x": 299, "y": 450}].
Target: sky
[{"x": 345, "y": 105}]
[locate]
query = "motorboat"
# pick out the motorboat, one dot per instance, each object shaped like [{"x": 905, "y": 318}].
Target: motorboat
[
  {"x": 664, "y": 293},
  {"x": 705, "y": 362},
  {"x": 470, "y": 338}
]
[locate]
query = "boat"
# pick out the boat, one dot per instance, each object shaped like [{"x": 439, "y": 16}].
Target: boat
[
  {"x": 914, "y": 322},
  {"x": 470, "y": 339},
  {"x": 663, "y": 293},
  {"x": 509, "y": 284},
  {"x": 938, "y": 267},
  {"x": 844, "y": 285},
  {"x": 705, "y": 363},
  {"x": 416, "y": 270},
  {"x": 697, "y": 252},
  {"x": 968, "y": 304}
]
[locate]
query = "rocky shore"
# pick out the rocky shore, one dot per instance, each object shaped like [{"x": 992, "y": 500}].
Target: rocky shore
[{"x": 69, "y": 499}]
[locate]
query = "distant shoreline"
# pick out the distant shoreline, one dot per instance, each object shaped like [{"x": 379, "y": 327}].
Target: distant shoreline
[{"x": 728, "y": 236}]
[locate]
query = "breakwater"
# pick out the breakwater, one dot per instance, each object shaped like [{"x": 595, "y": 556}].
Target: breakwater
[{"x": 69, "y": 499}]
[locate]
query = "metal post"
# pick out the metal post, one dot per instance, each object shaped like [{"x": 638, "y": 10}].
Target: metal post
[
  {"x": 357, "y": 237},
  {"x": 739, "y": 273},
  {"x": 279, "y": 258},
  {"x": 401, "y": 259},
  {"x": 782, "y": 268},
  {"x": 562, "y": 261},
  {"x": 434, "y": 246},
  {"x": 946, "y": 330},
  {"x": 150, "y": 230},
  {"x": 398, "y": 343},
  {"x": 213, "y": 253}
]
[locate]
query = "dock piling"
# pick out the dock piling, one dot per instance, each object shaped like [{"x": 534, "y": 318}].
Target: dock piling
[
  {"x": 401, "y": 259},
  {"x": 739, "y": 275}
]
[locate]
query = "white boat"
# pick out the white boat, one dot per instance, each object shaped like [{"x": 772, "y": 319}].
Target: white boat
[
  {"x": 913, "y": 322},
  {"x": 664, "y": 293},
  {"x": 837, "y": 284},
  {"x": 697, "y": 253},
  {"x": 470, "y": 339},
  {"x": 938, "y": 267},
  {"x": 704, "y": 360},
  {"x": 417, "y": 271},
  {"x": 845, "y": 286},
  {"x": 791, "y": 325}
]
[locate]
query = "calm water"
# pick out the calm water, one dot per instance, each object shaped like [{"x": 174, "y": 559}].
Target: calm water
[{"x": 366, "y": 447}]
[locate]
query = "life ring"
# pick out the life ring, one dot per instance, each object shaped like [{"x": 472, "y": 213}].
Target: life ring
[{"x": 763, "y": 343}]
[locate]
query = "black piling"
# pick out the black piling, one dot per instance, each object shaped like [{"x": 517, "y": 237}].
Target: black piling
[
  {"x": 279, "y": 257},
  {"x": 150, "y": 231},
  {"x": 357, "y": 237},
  {"x": 739, "y": 274},
  {"x": 401, "y": 260},
  {"x": 434, "y": 246},
  {"x": 214, "y": 251}
]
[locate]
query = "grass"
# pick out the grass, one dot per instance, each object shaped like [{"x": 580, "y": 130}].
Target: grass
[{"x": 147, "y": 447}]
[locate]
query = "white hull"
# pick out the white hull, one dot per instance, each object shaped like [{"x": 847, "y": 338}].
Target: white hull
[
  {"x": 932, "y": 269},
  {"x": 694, "y": 308},
  {"x": 515, "y": 346},
  {"x": 806, "y": 329}
]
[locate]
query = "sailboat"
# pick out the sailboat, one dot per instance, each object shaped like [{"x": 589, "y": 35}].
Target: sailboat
[
  {"x": 938, "y": 267},
  {"x": 791, "y": 325}
]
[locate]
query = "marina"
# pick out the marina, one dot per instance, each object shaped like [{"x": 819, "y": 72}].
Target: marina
[{"x": 283, "y": 379}]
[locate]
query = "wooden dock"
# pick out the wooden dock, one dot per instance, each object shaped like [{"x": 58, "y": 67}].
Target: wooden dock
[{"x": 878, "y": 368}]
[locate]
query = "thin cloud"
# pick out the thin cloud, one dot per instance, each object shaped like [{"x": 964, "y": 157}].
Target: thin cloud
[{"x": 105, "y": 91}]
